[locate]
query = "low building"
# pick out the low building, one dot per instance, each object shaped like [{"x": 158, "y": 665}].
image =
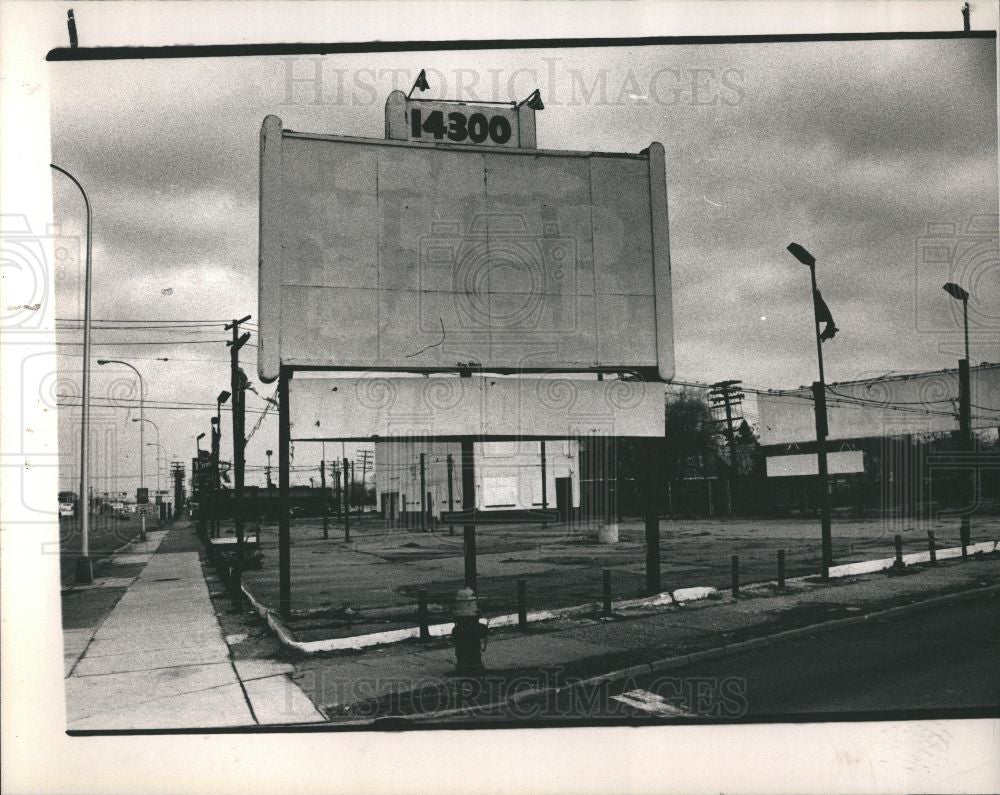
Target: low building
[
  {"x": 508, "y": 477},
  {"x": 892, "y": 446}
]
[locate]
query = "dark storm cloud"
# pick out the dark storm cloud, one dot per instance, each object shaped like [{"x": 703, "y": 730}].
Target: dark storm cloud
[{"x": 848, "y": 148}]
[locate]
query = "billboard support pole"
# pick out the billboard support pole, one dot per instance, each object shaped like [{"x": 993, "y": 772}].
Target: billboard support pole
[
  {"x": 651, "y": 486},
  {"x": 423, "y": 492},
  {"x": 469, "y": 504},
  {"x": 284, "y": 540},
  {"x": 545, "y": 477},
  {"x": 451, "y": 491}
]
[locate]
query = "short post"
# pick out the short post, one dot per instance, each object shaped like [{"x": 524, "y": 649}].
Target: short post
[
  {"x": 736, "y": 575},
  {"x": 425, "y": 632},
  {"x": 142, "y": 528},
  {"x": 899, "y": 552},
  {"x": 932, "y": 546},
  {"x": 522, "y": 603},
  {"x": 781, "y": 568},
  {"x": 607, "y": 591},
  {"x": 964, "y": 535}
]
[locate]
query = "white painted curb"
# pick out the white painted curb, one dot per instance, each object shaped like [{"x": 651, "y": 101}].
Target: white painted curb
[{"x": 870, "y": 566}]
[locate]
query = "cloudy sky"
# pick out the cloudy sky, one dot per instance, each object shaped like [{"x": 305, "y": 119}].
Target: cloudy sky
[{"x": 851, "y": 149}]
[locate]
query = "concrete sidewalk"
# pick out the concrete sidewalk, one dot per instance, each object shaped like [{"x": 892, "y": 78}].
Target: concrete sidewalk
[{"x": 159, "y": 659}]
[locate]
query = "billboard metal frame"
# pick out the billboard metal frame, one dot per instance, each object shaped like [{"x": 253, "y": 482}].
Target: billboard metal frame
[{"x": 271, "y": 367}]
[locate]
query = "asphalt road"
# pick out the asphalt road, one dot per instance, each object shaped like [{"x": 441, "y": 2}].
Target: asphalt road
[{"x": 944, "y": 658}]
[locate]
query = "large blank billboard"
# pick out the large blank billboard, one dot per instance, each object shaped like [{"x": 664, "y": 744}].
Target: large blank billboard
[{"x": 391, "y": 255}]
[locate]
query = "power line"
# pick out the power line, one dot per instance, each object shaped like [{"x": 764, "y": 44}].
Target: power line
[
  {"x": 143, "y": 320},
  {"x": 156, "y": 408},
  {"x": 158, "y": 342}
]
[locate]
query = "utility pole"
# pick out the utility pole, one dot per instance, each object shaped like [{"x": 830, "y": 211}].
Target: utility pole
[
  {"x": 239, "y": 384},
  {"x": 337, "y": 496},
  {"x": 270, "y": 485},
  {"x": 364, "y": 475},
  {"x": 177, "y": 470},
  {"x": 347, "y": 502},
  {"x": 727, "y": 394}
]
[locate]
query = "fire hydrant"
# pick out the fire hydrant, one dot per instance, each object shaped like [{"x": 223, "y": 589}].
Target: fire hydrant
[{"x": 469, "y": 633}]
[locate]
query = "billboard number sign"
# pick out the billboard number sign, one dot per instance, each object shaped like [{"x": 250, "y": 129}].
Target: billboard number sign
[
  {"x": 458, "y": 127},
  {"x": 429, "y": 121}
]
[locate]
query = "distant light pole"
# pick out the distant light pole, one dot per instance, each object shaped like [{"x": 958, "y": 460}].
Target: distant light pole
[
  {"x": 157, "y": 429},
  {"x": 142, "y": 418},
  {"x": 84, "y": 567},
  {"x": 158, "y": 452},
  {"x": 965, "y": 405},
  {"x": 216, "y": 443},
  {"x": 819, "y": 401}
]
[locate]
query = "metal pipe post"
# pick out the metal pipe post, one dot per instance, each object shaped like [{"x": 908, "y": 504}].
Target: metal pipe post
[{"x": 284, "y": 529}]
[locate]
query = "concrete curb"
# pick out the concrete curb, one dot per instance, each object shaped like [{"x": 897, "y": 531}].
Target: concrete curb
[
  {"x": 666, "y": 598},
  {"x": 358, "y": 642},
  {"x": 719, "y": 652}
]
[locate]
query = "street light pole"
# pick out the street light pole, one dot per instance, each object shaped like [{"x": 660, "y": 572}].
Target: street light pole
[
  {"x": 965, "y": 407},
  {"x": 822, "y": 429},
  {"x": 142, "y": 418},
  {"x": 84, "y": 568},
  {"x": 216, "y": 443},
  {"x": 159, "y": 450}
]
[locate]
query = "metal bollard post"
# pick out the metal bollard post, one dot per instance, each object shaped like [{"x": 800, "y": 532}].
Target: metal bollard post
[
  {"x": 965, "y": 537},
  {"x": 425, "y": 632},
  {"x": 522, "y": 604},
  {"x": 899, "y": 552},
  {"x": 781, "y": 568},
  {"x": 607, "y": 591},
  {"x": 736, "y": 575},
  {"x": 932, "y": 546}
]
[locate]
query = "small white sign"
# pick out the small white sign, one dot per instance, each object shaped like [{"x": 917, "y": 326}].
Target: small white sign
[{"x": 845, "y": 463}]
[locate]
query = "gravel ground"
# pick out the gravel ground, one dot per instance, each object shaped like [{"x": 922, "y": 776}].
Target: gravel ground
[{"x": 372, "y": 582}]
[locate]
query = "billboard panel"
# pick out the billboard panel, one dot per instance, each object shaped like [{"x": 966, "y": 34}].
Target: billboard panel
[
  {"x": 412, "y": 256},
  {"x": 445, "y": 407},
  {"x": 920, "y": 403}
]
